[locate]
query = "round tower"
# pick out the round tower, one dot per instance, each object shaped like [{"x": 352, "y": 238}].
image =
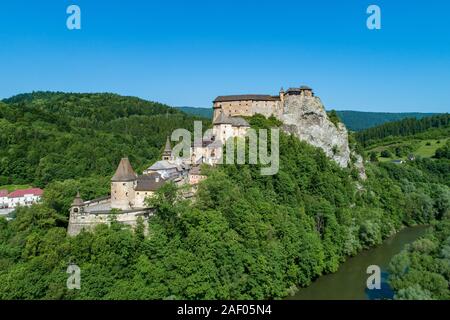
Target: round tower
[{"x": 122, "y": 186}]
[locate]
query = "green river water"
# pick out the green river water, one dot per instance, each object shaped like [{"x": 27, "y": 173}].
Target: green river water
[{"x": 349, "y": 282}]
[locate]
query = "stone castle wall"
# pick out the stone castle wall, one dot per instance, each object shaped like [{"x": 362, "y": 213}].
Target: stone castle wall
[
  {"x": 248, "y": 108},
  {"x": 88, "y": 222}
]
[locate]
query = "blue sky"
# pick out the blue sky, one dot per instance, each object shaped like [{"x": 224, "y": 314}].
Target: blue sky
[{"x": 184, "y": 53}]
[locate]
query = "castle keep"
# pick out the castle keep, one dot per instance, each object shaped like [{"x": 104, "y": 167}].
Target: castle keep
[{"x": 250, "y": 104}]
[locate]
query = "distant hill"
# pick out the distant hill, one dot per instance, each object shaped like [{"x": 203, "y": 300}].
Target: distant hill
[
  {"x": 201, "y": 112},
  {"x": 434, "y": 126},
  {"x": 353, "y": 120},
  {"x": 358, "y": 120}
]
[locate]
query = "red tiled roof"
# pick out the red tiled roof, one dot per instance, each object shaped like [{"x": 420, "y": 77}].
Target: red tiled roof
[
  {"x": 23, "y": 192},
  {"x": 3, "y": 193}
]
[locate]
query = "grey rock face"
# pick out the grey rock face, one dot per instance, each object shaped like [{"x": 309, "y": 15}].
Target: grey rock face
[
  {"x": 359, "y": 165},
  {"x": 306, "y": 118}
]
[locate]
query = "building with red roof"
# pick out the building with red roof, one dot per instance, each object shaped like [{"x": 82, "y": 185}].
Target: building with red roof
[{"x": 23, "y": 197}]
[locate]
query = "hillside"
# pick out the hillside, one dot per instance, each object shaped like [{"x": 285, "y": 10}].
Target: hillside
[
  {"x": 201, "y": 112},
  {"x": 357, "y": 120},
  {"x": 47, "y": 136},
  {"x": 423, "y": 144},
  {"x": 430, "y": 127},
  {"x": 245, "y": 236}
]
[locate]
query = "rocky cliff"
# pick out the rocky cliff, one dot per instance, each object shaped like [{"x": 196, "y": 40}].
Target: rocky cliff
[{"x": 306, "y": 118}]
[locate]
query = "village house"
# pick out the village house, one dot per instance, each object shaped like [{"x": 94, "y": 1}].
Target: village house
[{"x": 23, "y": 197}]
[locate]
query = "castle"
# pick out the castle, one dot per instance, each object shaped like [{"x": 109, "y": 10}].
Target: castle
[
  {"x": 129, "y": 192},
  {"x": 250, "y": 104},
  {"x": 300, "y": 111}
]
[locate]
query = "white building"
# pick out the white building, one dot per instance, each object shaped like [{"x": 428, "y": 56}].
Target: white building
[
  {"x": 228, "y": 127},
  {"x": 3, "y": 199},
  {"x": 25, "y": 197}
]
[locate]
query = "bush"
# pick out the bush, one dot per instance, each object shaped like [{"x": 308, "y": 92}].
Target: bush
[{"x": 386, "y": 154}]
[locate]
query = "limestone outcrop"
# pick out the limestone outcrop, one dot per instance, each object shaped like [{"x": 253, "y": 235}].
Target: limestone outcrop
[{"x": 306, "y": 118}]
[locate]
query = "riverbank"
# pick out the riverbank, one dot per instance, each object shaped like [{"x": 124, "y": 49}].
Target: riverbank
[{"x": 349, "y": 282}]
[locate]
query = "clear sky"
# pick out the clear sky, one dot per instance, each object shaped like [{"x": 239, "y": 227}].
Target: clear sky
[{"x": 186, "y": 52}]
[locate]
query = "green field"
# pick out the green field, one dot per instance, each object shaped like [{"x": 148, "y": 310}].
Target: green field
[
  {"x": 13, "y": 187},
  {"x": 423, "y": 148}
]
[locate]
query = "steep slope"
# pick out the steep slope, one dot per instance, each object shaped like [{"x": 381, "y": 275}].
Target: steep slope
[{"x": 245, "y": 236}]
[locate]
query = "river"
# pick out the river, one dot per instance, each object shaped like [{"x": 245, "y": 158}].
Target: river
[{"x": 349, "y": 282}]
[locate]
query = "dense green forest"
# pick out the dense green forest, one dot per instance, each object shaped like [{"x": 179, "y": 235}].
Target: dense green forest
[
  {"x": 353, "y": 120},
  {"x": 422, "y": 270},
  {"x": 48, "y": 136},
  {"x": 201, "y": 112},
  {"x": 358, "y": 121},
  {"x": 245, "y": 236},
  {"x": 405, "y": 128}
]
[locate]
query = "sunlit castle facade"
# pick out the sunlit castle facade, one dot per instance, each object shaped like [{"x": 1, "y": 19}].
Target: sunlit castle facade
[{"x": 248, "y": 105}]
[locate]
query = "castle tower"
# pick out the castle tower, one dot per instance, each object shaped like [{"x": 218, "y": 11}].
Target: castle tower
[
  {"x": 167, "y": 154},
  {"x": 282, "y": 94},
  {"x": 77, "y": 205},
  {"x": 122, "y": 186},
  {"x": 306, "y": 91}
]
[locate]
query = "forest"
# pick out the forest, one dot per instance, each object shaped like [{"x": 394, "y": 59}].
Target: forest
[
  {"x": 403, "y": 128},
  {"x": 245, "y": 236},
  {"x": 422, "y": 270},
  {"x": 54, "y": 136}
]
